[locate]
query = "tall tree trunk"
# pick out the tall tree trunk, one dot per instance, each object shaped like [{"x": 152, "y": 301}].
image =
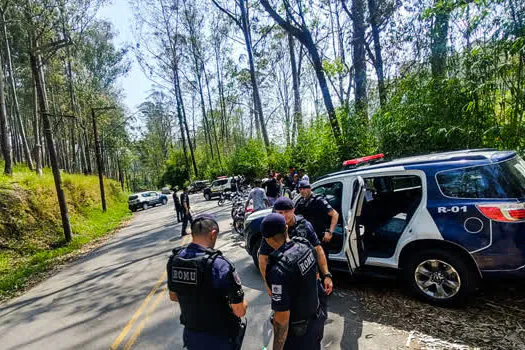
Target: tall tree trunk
[
  {"x": 439, "y": 37},
  {"x": 87, "y": 151},
  {"x": 361, "y": 101},
  {"x": 297, "y": 113},
  {"x": 378, "y": 56},
  {"x": 342, "y": 53},
  {"x": 7, "y": 147},
  {"x": 37, "y": 68},
  {"x": 245, "y": 21},
  {"x": 211, "y": 114},
  {"x": 25, "y": 144},
  {"x": 184, "y": 119},
  {"x": 222, "y": 102},
  {"x": 207, "y": 129},
  {"x": 36, "y": 131}
]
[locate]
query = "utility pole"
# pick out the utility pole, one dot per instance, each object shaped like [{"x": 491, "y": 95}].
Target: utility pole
[{"x": 98, "y": 154}]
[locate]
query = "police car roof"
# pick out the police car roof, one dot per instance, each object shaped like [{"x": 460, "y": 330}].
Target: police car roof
[{"x": 484, "y": 154}]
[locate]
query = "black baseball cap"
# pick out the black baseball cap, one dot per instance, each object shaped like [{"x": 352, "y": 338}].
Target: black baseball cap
[{"x": 273, "y": 224}]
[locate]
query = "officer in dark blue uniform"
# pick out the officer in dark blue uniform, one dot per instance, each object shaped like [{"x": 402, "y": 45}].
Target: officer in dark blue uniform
[
  {"x": 299, "y": 227},
  {"x": 292, "y": 276},
  {"x": 319, "y": 212},
  {"x": 208, "y": 290},
  {"x": 186, "y": 214}
]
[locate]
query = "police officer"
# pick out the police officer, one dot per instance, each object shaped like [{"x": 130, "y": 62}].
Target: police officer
[
  {"x": 208, "y": 290},
  {"x": 186, "y": 214},
  {"x": 299, "y": 227},
  {"x": 319, "y": 212},
  {"x": 298, "y": 320},
  {"x": 178, "y": 206}
]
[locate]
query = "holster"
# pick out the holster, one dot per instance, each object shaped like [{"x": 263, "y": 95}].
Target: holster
[{"x": 237, "y": 341}]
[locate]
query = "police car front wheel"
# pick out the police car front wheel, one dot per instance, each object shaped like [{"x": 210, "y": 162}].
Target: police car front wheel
[{"x": 440, "y": 277}]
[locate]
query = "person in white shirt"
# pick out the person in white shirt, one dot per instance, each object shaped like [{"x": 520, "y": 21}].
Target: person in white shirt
[
  {"x": 259, "y": 198},
  {"x": 303, "y": 176}
]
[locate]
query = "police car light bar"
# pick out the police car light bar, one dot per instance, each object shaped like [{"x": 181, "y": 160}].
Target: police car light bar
[{"x": 366, "y": 159}]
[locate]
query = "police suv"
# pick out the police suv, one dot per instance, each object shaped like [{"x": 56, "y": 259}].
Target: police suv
[{"x": 444, "y": 220}]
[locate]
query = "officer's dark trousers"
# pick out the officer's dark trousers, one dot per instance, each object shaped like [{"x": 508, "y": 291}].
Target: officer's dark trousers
[
  {"x": 312, "y": 339},
  {"x": 180, "y": 213},
  {"x": 185, "y": 220},
  {"x": 204, "y": 341}
]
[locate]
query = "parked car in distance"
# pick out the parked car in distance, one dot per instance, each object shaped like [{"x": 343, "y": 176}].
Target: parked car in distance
[
  {"x": 217, "y": 187},
  {"x": 165, "y": 190},
  {"x": 144, "y": 200},
  {"x": 445, "y": 220},
  {"x": 197, "y": 186}
]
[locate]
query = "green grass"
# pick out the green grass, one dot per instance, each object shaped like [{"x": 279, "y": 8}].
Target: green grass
[{"x": 31, "y": 235}]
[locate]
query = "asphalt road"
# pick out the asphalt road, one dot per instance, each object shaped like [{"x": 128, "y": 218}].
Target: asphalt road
[{"x": 115, "y": 297}]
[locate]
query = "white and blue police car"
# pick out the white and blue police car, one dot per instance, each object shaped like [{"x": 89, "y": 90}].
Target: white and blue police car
[{"x": 445, "y": 220}]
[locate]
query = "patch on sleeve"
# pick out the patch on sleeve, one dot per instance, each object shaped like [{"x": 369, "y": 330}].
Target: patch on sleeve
[
  {"x": 277, "y": 289},
  {"x": 184, "y": 275},
  {"x": 236, "y": 278},
  {"x": 277, "y": 292}
]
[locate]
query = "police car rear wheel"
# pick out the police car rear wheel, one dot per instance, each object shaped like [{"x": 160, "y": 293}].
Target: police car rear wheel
[
  {"x": 440, "y": 277},
  {"x": 207, "y": 196},
  {"x": 164, "y": 201},
  {"x": 144, "y": 206}
]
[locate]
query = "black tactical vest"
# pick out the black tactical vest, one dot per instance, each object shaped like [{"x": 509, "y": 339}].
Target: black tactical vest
[
  {"x": 203, "y": 308},
  {"x": 299, "y": 229},
  {"x": 299, "y": 262}
]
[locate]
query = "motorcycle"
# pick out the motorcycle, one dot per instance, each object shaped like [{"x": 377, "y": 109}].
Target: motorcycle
[
  {"x": 227, "y": 196},
  {"x": 239, "y": 215}
]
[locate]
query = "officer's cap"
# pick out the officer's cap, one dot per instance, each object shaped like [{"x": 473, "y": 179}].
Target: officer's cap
[
  {"x": 304, "y": 184},
  {"x": 272, "y": 225},
  {"x": 283, "y": 203}
]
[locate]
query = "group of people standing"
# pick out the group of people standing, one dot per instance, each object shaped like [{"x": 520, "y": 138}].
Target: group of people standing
[
  {"x": 275, "y": 186},
  {"x": 293, "y": 261}
]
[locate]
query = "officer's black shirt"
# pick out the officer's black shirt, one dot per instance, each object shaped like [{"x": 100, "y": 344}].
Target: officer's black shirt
[
  {"x": 184, "y": 198},
  {"x": 315, "y": 209},
  {"x": 272, "y": 187}
]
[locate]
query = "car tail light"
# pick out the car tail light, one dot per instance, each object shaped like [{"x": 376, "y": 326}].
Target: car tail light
[{"x": 505, "y": 212}]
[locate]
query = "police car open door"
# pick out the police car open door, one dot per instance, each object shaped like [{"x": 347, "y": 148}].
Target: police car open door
[{"x": 353, "y": 240}]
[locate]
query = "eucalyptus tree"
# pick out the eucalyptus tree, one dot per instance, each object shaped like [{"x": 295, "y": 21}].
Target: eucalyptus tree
[
  {"x": 159, "y": 51},
  {"x": 241, "y": 16},
  {"x": 297, "y": 26},
  {"x": 193, "y": 20},
  {"x": 5, "y": 134}
]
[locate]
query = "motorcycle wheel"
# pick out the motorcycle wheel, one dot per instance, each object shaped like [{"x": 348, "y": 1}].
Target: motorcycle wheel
[{"x": 238, "y": 226}]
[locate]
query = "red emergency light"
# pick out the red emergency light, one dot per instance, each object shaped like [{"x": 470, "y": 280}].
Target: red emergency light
[
  {"x": 222, "y": 177},
  {"x": 357, "y": 161}
]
